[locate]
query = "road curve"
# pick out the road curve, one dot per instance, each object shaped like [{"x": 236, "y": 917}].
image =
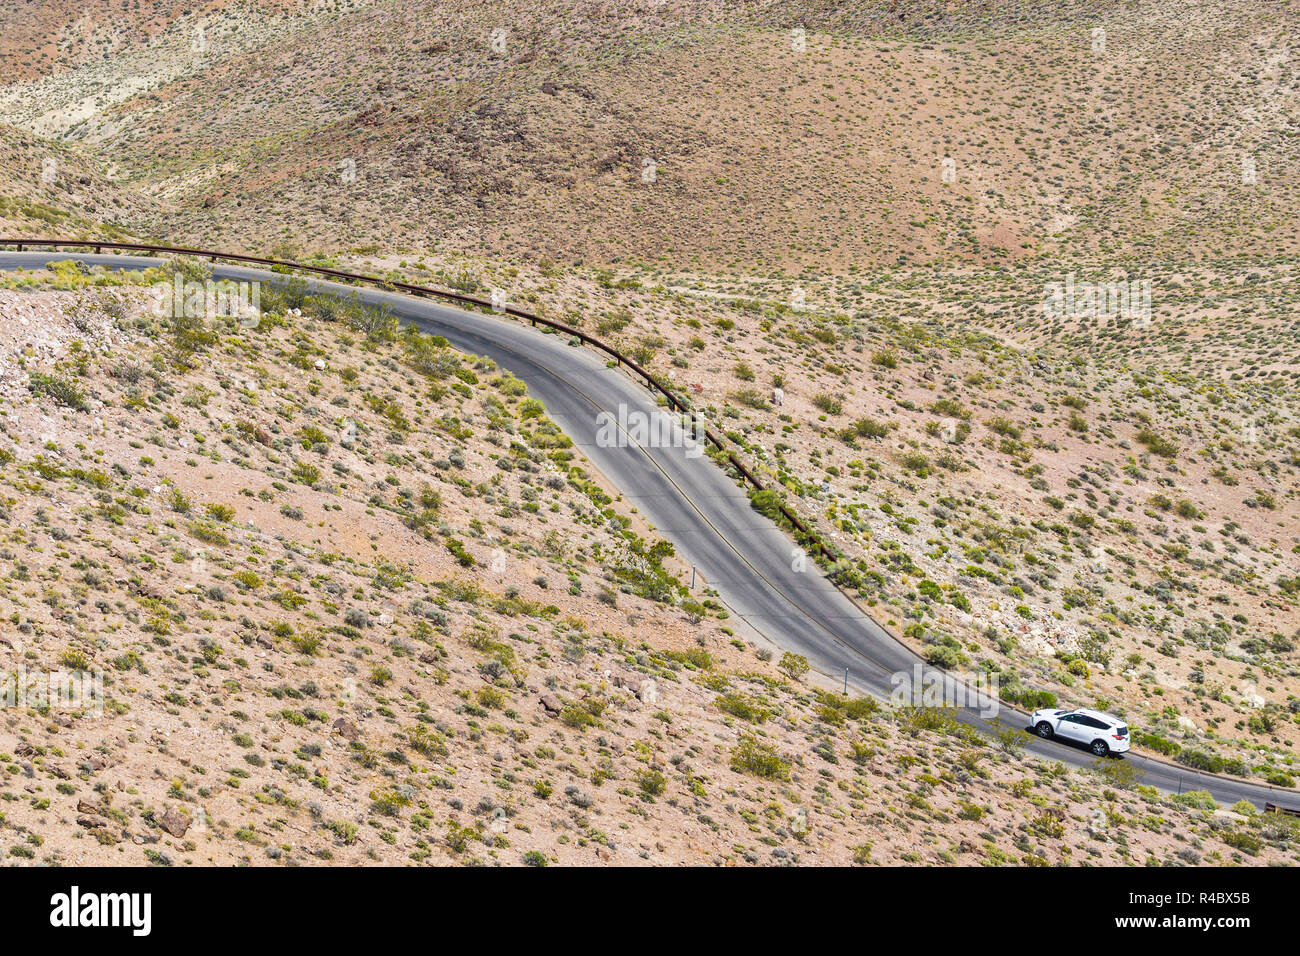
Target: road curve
[{"x": 754, "y": 566}]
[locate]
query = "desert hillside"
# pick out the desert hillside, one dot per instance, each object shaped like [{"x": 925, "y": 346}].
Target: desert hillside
[
  {"x": 696, "y": 135},
  {"x": 999, "y": 297},
  {"x": 52, "y": 189},
  {"x": 331, "y": 575},
  {"x": 1103, "y": 511}
]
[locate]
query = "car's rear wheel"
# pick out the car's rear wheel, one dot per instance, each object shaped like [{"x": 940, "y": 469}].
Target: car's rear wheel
[
  {"x": 1099, "y": 748},
  {"x": 1044, "y": 730}
]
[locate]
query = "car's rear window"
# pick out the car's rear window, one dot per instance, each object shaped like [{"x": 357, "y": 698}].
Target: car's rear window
[{"x": 1121, "y": 731}]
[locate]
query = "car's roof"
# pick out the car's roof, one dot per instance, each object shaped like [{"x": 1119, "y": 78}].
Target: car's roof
[{"x": 1100, "y": 715}]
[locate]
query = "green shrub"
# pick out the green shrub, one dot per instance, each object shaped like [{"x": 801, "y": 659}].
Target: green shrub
[
  {"x": 694, "y": 657},
  {"x": 828, "y": 403},
  {"x": 208, "y": 533},
  {"x": 1156, "y": 444},
  {"x": 305, "y": 473},
  {"x": 65, "y": 393},
  {"x": 1196, "y": 799},
  {"x": 738, "y": 705},
  {"x": 388, "y": 802},
  {"x": 1029, "y": 698},
  {"x": 1243, "y": 840},
  {"x": 758, "y": 760},
  {"x": 794, "y": 666},
  {"x": 651, "y": 782},
  {"x": 1150, "y": 741},
  {"x": 870, "y": 428},
  {"x": 223, "y": 513},
  {"x": 1198, "y": 760}
]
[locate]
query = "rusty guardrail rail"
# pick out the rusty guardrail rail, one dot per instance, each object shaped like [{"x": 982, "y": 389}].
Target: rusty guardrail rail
[{"x": 428, "y": 291}]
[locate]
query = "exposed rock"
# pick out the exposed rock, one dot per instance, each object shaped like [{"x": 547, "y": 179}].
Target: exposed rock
[
  {"x": 174, "y": 822},
  {"x": 347, "y": 729},
  {"x": 629, "y": 682}
]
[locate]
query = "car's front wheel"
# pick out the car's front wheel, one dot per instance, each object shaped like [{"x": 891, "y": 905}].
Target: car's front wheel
[
  {"x": 1099, "y": 748},
  {"x": 1044, "y": 730}
]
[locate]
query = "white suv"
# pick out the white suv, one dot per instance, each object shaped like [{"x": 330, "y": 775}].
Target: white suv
[{"x": 1102, "y": 733}]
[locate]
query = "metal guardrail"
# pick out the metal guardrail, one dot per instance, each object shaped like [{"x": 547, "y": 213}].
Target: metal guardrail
[{"x": 428, "y": 291}]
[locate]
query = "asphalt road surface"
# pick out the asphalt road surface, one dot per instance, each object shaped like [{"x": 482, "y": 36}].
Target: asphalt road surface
[{"x": 757, "y": 570}]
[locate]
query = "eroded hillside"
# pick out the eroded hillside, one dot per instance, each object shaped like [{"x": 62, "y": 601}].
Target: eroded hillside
[
  {"x": 702, "y": 136},
  {"x": 355, "y": 599},
  {"x": 1100, "y": 510}
]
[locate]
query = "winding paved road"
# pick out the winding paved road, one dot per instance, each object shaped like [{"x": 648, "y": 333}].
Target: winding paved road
[{"x": 752, "y": 563}]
